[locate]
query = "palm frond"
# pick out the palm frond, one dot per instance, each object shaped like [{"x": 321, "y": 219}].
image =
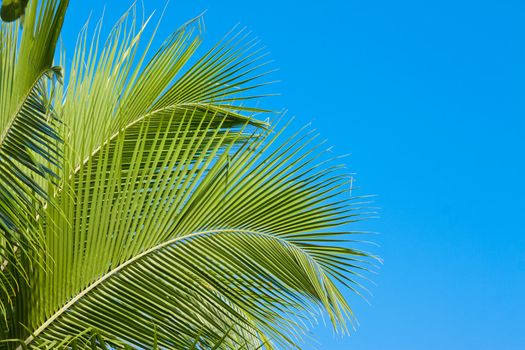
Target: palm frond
[
  {"x": 230, "y": 255},
  {"x": 178, "y": 219},
  {"x": 113, "y": 87},
  {"x": 28, "y": 143}
]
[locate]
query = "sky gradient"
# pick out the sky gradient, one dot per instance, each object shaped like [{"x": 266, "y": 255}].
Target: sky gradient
[{"x": 429, "y": 97}]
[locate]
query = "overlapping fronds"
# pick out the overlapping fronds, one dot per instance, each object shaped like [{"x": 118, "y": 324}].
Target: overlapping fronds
[
  {"x": 170, "y": 216},
  {"x": 113, "y": 86},
  {"x": 203, "y": 241},
  {"x": 30, "y": 142}
]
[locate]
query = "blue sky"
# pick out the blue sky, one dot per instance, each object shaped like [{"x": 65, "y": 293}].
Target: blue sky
[{"x": 429, "y": 97}]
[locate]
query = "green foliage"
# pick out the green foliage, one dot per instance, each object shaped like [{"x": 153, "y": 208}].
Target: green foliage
[{"x": 144, "y": 205}]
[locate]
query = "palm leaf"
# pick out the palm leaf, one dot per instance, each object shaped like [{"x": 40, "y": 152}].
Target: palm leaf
[
  {"x": 136, "y": 89},
  {"x": 29, "y": 144},
  {"x": 179, "y": 220},
  {"x": 219, "y": 270}
]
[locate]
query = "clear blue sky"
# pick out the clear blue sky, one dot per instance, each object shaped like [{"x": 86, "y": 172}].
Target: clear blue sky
[{"x": 429, "y": 97}]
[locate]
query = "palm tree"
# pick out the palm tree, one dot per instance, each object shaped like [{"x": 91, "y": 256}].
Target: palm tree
[{"x": 145, "y": 204}]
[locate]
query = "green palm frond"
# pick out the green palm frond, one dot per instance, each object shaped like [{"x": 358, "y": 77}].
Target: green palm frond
[
  {"x": 30, "y": 142},
  {"x": 29, "y": 150},
  {"x": 165, "y": 213},
  {"x": 224, "y": 246},
  {"x": 135, "y": 90}
]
